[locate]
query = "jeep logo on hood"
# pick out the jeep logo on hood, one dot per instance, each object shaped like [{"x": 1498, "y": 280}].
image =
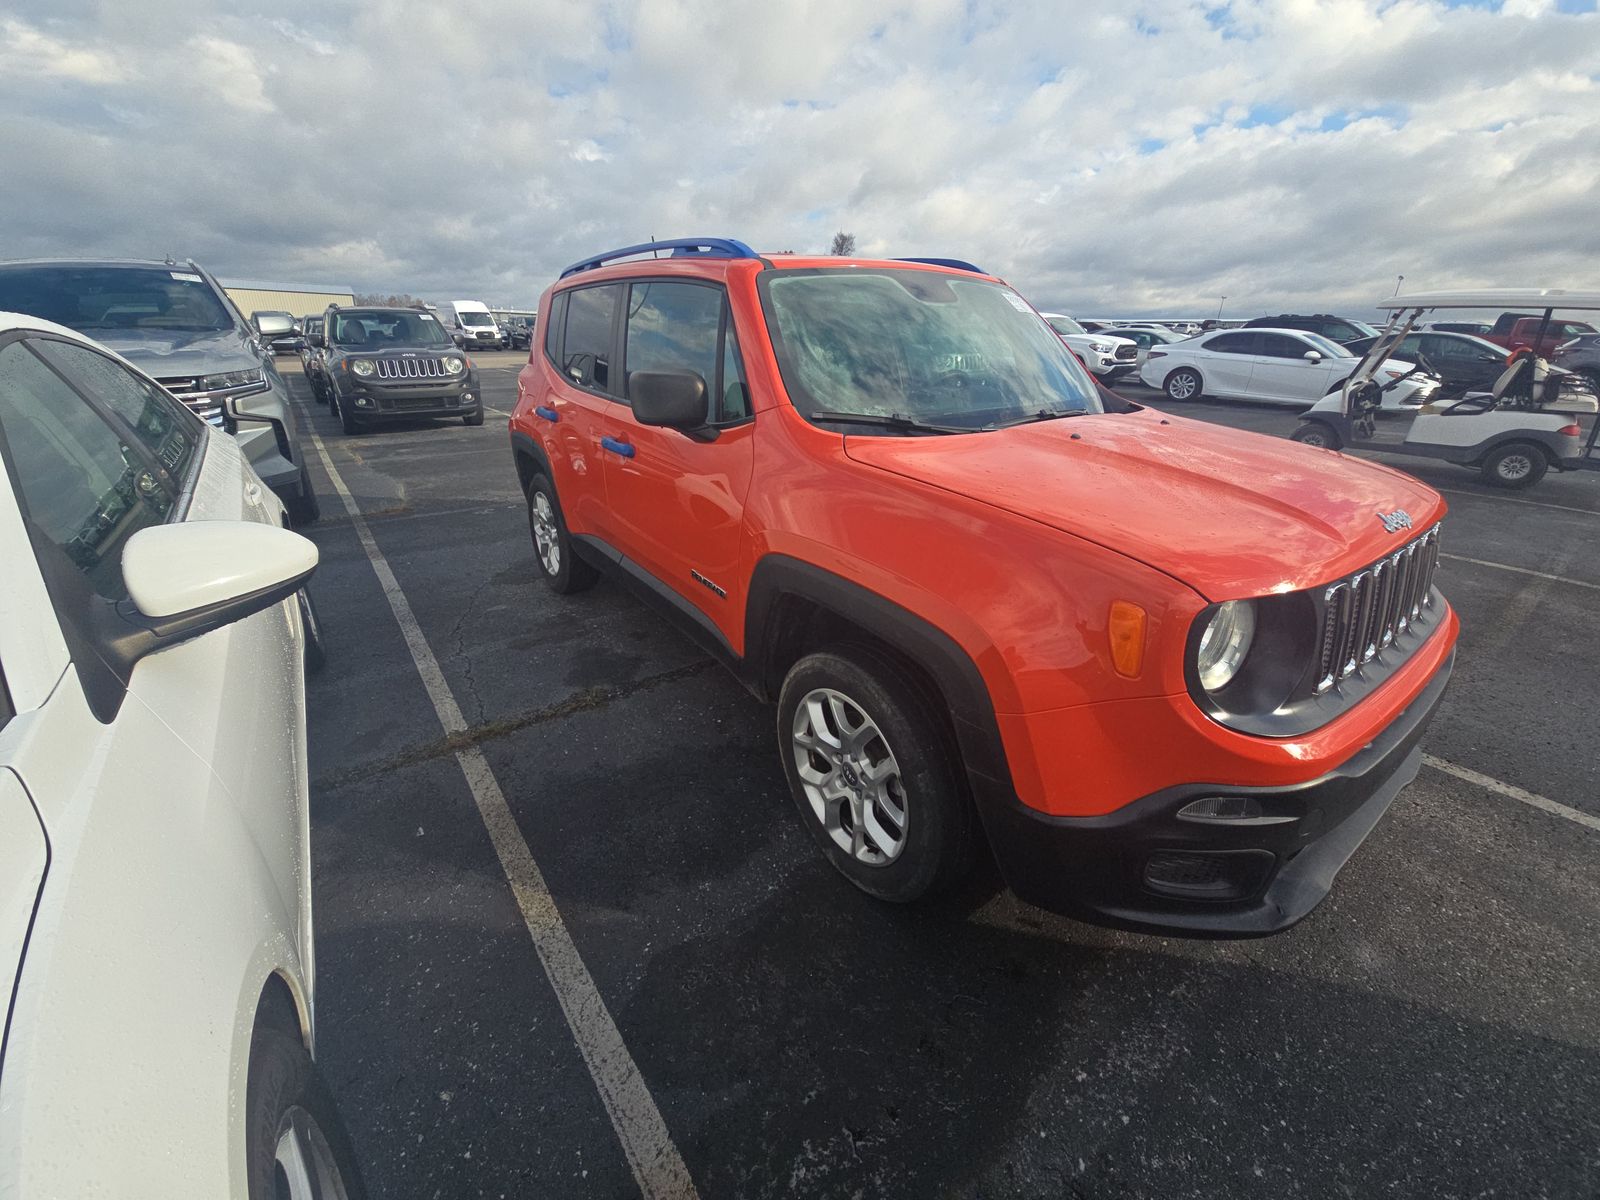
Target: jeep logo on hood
[{"x": 1395, "y": 521}]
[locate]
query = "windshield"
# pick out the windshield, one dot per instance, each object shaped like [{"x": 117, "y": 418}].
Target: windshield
[
  {"x": 378, "y": 329},
  {"x": 1366, "y": 331},
  {"x": 918, "y": 345},
  {"x": 475, "y": 318},
  {"x": 104, "y": 297},
  {"x": 1066, "y": 325}
]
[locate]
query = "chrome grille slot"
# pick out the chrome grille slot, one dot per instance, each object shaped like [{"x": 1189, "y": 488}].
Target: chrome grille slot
[
  {"x": 409, "y": 368},
  {"x": 205, "y": 405},
  {"x": 1364, "y": 614}
]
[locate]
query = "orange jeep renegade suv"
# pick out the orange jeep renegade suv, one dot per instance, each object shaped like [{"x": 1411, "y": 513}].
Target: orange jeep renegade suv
[{"x": 1172, "y": 674}]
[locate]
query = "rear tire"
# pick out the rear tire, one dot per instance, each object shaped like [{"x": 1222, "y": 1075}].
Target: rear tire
[
  {"x": 563, "y": 571},
  {"x": 1317, "y": 433},
  {"x": 295, "y": 1141},
  {"x": 1184, "y": 384},
  {"x": 880, "y": 792},
  {"x": 1515, "y": 465}
]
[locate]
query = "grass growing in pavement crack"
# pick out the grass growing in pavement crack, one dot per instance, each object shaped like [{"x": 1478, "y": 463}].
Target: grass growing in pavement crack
[{"x": 584, "y": 701}]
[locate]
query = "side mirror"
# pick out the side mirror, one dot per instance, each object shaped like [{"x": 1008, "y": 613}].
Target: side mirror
[
  {"x": 315, "y": 339},
  {"x": 271, "y": 325},
  {"x": 1313, "y": 356},
  {"x": 673, "y": 399},
  {"x": 187, "y": 579}
]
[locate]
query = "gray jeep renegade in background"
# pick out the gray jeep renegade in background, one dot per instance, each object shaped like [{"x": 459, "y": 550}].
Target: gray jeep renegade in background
[{"x": 174, "y": 321}]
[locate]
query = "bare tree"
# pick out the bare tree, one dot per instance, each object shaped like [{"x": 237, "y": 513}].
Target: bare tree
[
  {"x": 844, "y": 244},
  {"x": 403, "y": 300}
]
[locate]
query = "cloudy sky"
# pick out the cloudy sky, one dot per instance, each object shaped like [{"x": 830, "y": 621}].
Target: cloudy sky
[{"x": 1123, "y": 157}]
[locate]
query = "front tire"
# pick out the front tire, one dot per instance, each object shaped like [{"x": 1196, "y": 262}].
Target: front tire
[
  {"x": 870, "y": 767},
  {"x": 562, "y": 571},
  {"x": 347, "y": 419},
  {"x": 1515, "y": 465},
  {"x": 1317, "y": 433},
  {"x": 303, "y": 507},
  {"x": 316, "y": 655},
  {"x": 1184, "y": 384},
  {"x": 475, "y": 417},
  {"x": 295, "y": 1144}
]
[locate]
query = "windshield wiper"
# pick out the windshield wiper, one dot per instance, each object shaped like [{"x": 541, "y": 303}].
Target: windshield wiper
[
  {"x": 890, "y": 421},
  {"x": 1044, "y": 414}
]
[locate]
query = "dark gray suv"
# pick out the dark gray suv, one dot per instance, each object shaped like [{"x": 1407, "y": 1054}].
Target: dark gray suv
[{"x": 174, "y": 322}]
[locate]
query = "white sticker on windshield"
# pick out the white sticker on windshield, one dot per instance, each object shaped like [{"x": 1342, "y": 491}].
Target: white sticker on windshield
[
  {"x": 1016, "y": 302},
  {"x": 185, "y": 276}
]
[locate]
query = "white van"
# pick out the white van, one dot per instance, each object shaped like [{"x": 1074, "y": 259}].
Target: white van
[{"x": 478, "y": 325}]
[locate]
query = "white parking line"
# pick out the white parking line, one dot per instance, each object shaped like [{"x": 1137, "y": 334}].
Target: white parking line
[
  {"x": 1479, "y": 562},
  {"x": 1513, "y": 792},
  {"x": 1588, "y": 512},
  {"x": 657, "y": 1166}
]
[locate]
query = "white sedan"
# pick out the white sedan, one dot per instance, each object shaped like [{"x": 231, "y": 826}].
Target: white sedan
[
  {"x": 155, "y": 891},
  {"x": 1278, "y": 366}
]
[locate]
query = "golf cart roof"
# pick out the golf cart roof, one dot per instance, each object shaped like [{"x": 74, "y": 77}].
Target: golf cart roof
[{"x": 1524, "y": 298}]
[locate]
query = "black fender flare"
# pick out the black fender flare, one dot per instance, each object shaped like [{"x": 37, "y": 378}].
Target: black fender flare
[
  {"x": 524, "y": 446},
  {"x": 952, "y": 669}
]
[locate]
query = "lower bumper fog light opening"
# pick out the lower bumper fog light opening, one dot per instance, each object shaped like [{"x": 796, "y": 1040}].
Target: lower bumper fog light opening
[{"x": 1207, "y": 874}]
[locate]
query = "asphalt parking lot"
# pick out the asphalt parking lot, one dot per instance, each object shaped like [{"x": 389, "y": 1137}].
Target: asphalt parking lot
[{"x": 1432, "y": 1030}]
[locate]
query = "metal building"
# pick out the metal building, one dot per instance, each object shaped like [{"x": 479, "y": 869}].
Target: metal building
[{"x": 296, "y": 299}]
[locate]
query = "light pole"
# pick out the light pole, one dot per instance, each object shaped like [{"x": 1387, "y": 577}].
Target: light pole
[
  {"x": 1220, "y": 303},
  {"x": 1398, "y": 280}
]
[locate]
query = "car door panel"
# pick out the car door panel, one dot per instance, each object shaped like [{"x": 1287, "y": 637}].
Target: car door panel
[
  {"x": 1282, "y": 374},
  {"x": 1227, "y": 372}
]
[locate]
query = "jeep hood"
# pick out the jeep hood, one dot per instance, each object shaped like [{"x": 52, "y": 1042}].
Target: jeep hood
[
  {"x": 169, "y": 352},
  {"x": 1230, "y": 513}
]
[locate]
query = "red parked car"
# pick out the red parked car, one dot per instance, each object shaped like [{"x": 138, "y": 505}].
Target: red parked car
[{"x": 1171, "y": 674}]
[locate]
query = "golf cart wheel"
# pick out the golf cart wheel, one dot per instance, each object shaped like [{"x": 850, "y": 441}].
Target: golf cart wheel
[
  {"x": 1184, "y": 384},
  {"x": 1317, "y": 433},
  {"x": 1515, "y": 465}
]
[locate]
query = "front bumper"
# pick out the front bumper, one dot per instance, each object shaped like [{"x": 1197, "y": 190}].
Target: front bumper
[
  {"x": 372, "y": 399},
  {"x": 1145, "y": 868}
]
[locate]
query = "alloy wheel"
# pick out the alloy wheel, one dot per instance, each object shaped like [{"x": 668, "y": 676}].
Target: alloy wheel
[
  {"x": 1514, "y": 467},
  {"x": 850, "y": 777},
  {"x": 546, "y": 537}
]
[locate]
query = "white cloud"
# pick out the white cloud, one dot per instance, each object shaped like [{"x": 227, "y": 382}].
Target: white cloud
[{"x": 1145, "y": 157}]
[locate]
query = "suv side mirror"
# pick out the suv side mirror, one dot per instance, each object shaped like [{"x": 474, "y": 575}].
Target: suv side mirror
[
  {"x": 187, "y": 579},
  {"x": 315, "y": 339},
  {"x": 271, "y": 325},
  {"x": 1313, "y": 356},
  {"x": 673, "y": 399}
]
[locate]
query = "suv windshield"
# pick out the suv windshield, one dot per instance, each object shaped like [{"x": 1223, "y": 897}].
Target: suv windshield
[
  {"x": 475, "y": 318},
  {"x": 377, "y": 329},
  {"x": 918, "y": 346},
  {"x": 114, "y": 297}
]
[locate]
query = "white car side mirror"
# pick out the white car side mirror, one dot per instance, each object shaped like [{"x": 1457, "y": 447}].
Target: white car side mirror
[
  {"x": 1313, "y": 356},
  {"x": 194, "y": 566}
]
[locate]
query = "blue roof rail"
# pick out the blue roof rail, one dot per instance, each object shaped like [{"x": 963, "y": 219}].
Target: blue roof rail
[
  {"x": 954, "y": 263},
  {"x": 681, "y": 248}
]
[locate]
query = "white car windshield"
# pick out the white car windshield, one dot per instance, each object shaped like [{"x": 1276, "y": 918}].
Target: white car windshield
[
  {"x": 476, "y": 318},
  {"x": 906, "y": 346},
  {"x": 1066, "y": 325}
]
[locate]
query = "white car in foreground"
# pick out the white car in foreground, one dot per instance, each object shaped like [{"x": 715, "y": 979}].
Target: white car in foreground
[
  {"x": 155, "y": 891},
  {"x": 1279, "y": 366},
  {"x": 1106, "y": 357}
]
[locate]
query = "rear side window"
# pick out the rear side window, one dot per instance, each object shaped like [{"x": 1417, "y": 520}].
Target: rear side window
[
  {"x": 165, "y": 428},
  {"x": 1233, "y": 343},
  {"x": 84, "y": 490},
  {"x": 586, "y": 345},
  {"x": 552, "y": 321},
  {"x": 675, "y": 327}
]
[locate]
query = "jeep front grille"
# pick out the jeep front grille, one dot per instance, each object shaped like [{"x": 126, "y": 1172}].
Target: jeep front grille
[
  {"x": 411, "y": 368},
  {"x": 1364, "y": 613}
]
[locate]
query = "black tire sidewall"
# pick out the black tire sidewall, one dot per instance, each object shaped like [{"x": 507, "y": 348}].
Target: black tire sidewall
[
  {"x": 939, "y": 814},
  {"x": 281, "y": 1076},
  {"x": 347, "y": 419},
  {"x": 316, "y": 655}
]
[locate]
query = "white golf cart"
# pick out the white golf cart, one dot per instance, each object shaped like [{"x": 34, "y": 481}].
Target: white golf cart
[{"x": 1528, "y": 422}]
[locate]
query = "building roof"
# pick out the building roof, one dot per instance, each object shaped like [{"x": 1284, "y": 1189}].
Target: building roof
[{"x": 262, "y": 285}]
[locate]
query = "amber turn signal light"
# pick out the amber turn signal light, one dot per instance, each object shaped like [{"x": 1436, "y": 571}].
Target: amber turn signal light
[{"x": 1126, "y": 631}]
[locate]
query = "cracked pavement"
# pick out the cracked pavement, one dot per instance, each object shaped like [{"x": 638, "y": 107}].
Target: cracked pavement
[{"x": 1432, "y": 1030}]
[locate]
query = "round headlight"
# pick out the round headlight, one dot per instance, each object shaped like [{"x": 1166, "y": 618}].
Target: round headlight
[
  {"x": 1224, "y": 643},
  {"x": 362, "y": 367},
  {"x": 451, "y": 364}
]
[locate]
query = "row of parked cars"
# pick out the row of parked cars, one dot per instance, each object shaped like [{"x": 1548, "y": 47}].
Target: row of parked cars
[{"x": 1297, "y": 358}]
